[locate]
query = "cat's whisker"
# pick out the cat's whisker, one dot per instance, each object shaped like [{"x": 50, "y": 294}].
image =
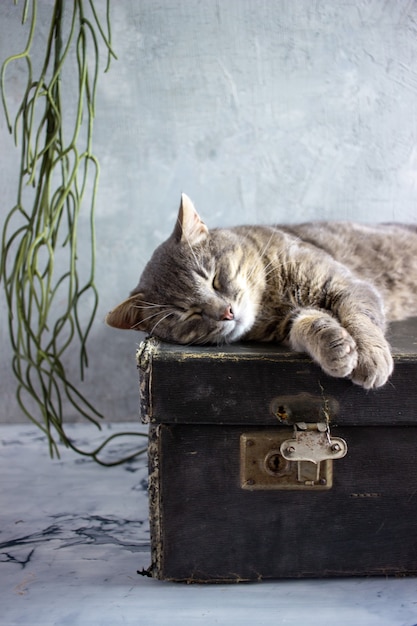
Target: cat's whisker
[
  {"x": 268, "y": 244},
  {"x": 197, "y": 341},
  {"x": 256, "y": 266},
  {"x": 262, "y": 253},
  {"x": 161, "y": 320},
  {"x": 272, "y": 266},
  {"x": 275, "y": 264},
  {"x": 146, "y": 319},
  {"x": 269, "y": 268},
  {"x": 149, "y": 304},
  {"x": 141, "y": 321}
]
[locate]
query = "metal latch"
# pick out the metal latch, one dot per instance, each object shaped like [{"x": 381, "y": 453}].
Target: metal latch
[{"x": 270, "y": 459}]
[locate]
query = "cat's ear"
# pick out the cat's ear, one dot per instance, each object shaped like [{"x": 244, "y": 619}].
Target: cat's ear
[
  {"x": 128, "y": 315},
  {"x": 189, "y": 227}
]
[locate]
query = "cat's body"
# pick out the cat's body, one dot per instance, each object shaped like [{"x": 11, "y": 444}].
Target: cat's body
[{"x": 325, "y": 288}]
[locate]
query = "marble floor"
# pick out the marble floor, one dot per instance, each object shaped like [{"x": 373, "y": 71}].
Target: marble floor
[{"x": 74, "y": 535}]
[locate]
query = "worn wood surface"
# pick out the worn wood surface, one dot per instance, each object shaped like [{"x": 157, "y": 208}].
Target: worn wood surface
[
  {"x": 210, "y": 529},
  {"x": 247, "y": 384},
  {"x": 205, "y": 527}
]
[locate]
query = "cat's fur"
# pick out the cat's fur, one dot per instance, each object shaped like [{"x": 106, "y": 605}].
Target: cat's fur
[{"x": 323, "y": 288}]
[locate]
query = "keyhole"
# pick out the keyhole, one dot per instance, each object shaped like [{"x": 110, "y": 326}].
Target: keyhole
[{"x": 275, "y": 464}]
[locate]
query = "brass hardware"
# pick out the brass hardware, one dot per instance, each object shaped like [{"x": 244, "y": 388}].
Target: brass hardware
[{"x": 272, "y": 459}]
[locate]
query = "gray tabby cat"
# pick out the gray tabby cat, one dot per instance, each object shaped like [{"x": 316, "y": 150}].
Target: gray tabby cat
[{"x": 322, "y": 288}]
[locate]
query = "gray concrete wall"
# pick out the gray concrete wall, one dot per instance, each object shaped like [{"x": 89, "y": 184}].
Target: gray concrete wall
[{"x": 262, "y": 111}]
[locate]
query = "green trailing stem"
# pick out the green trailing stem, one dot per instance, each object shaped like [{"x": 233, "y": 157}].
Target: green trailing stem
[{"x": 54, "y": 177}]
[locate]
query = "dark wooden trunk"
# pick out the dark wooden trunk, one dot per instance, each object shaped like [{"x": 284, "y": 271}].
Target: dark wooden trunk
[{"x": 211, "y": 521}]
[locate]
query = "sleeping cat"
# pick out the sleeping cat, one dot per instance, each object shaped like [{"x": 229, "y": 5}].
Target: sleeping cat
[{"x": 324, "y": 288}]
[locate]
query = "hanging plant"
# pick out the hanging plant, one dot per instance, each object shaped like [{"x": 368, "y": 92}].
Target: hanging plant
[{"x": 58, "y": 179}]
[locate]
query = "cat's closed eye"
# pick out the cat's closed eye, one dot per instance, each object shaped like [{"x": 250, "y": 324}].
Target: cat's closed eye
[
  {"x": 189, "y": 313},
  {"x": 194, "y": 314},
  {"x": 216, "y": 283}
]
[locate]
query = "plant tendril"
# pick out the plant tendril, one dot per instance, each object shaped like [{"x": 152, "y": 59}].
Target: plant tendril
[{"x": 54, "y": 179}]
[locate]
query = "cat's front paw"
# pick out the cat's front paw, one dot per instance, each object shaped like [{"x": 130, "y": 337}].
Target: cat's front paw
[
  {"x": 338, "y": 353},
  {"x": 375, "y": 365},
  {"x": 327, "y": 342}
]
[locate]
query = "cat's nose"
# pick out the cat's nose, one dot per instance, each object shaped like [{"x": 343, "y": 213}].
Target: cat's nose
[{"x": 227, "y": 314}]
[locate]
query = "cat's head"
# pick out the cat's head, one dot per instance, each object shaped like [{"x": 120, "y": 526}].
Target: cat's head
[{"x": 198, "y": 287}]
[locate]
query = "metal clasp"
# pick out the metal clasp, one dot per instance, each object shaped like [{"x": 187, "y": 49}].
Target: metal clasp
[{"x": 312, "y": 444}]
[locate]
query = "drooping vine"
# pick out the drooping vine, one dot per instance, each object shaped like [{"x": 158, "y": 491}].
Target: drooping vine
[{"x": 58, "y": 178}]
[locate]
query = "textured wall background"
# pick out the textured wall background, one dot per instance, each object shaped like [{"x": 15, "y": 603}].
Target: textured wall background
[{"x": 261, "y": 111}]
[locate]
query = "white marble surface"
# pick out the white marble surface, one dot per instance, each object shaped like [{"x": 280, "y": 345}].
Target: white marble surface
[{"x": 74, "y": 534}]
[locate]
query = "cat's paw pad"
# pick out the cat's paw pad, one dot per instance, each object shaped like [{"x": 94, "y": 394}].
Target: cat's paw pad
[
  {"x": 374, "y": 366},
  {"x": 338, "y": 353}
]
